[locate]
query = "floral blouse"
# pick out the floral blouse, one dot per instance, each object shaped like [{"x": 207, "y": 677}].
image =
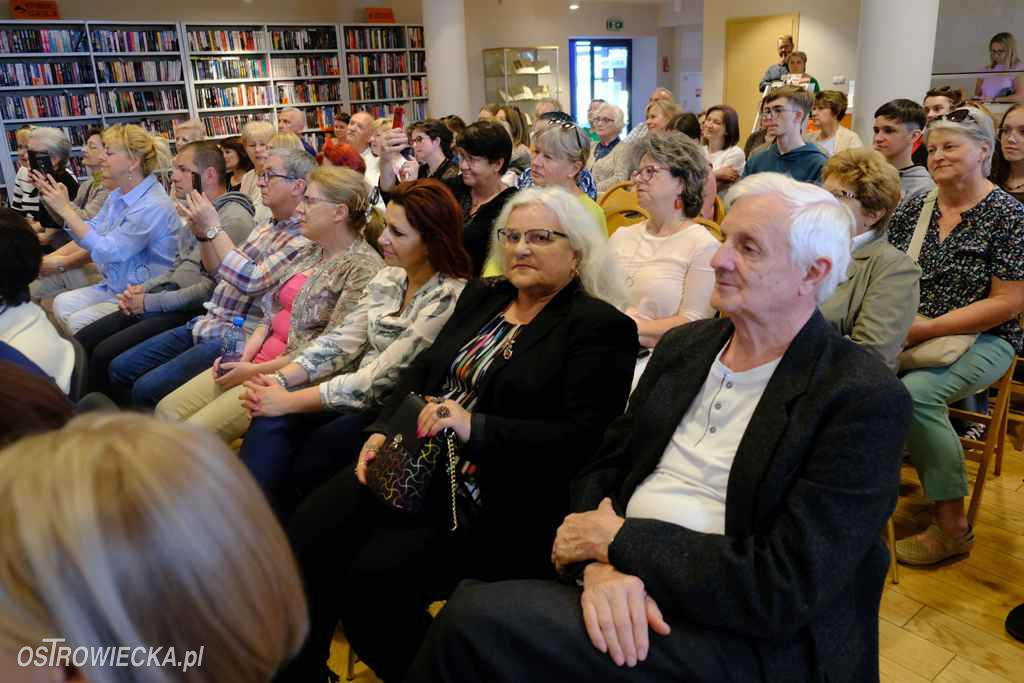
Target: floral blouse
[
  {"x": 331, "y": 292},
  {"x": 988, "y": 242},
  {"x": 378, "y": 339}
]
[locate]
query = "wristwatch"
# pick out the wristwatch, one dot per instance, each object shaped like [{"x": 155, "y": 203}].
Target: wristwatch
[{"x": 211, "y": 233}]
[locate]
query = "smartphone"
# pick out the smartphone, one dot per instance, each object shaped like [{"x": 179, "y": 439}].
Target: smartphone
[
  {"x": 40, "y": 161},
  {"x": 398, "y": 122},
  {"x": 197, "y": 182}
]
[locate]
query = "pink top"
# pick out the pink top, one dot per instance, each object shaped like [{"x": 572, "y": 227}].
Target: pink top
[
  {"x": 991, "y": 86},
  {"x": 277, "y": 340}
]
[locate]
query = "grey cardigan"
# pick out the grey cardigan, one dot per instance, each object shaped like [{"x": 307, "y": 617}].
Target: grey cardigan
[{"x": 876, "y": 304}]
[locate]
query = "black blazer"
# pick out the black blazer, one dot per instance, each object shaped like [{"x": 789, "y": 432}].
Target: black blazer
[
  {"x": 800, "y": 569},
  {"x": 539, "y": 416}
]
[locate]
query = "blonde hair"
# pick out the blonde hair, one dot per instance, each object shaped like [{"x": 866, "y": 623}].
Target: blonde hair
[
  {"x": 191, "y": 125},
  {"x": 667, "y": 107},
  {"x": 873, "y": 180},
  {"x": 1010, "y": 43},
  {"x": 259, "y": 128},
  {"x": 136, "y": 142},
  {"x": 345, "y": 186},
  {"x": 285, "y": 141},
  {"x": 164, "y": 158},
  {"x": 23, "y": 134},
  {"x": 122, "y": 531}
]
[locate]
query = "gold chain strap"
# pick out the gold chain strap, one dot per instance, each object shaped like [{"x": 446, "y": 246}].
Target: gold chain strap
[{"x": 451, "y": 472}]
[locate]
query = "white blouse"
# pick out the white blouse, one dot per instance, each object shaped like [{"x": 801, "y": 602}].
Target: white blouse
[
  {"x": 27, "y": 329},
  {"x": 731, "y": 156},
  {"x": 669, "y": 275}
]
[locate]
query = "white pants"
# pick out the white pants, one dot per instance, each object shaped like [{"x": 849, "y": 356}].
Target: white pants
[{"x": 79, "y": 307}]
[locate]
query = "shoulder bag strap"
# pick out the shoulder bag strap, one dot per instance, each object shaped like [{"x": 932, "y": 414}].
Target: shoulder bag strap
[{"x": 923, "y": 220}]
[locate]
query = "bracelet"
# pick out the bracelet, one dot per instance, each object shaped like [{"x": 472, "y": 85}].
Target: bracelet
[{"x": 281, "y": 379}]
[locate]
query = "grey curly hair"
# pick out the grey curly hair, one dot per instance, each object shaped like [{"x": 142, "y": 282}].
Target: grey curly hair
[{"x": 685, "y": 161}]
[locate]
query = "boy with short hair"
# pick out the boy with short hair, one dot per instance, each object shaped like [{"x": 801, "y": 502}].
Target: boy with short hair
[
  {"x": 785, "y": 116},
  {"x": 898, "y": 128}
]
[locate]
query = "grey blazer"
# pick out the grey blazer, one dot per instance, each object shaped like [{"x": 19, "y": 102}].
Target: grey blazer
[
  {"x": 876, "y": 304},
  {"x": 800, "y": 569}
]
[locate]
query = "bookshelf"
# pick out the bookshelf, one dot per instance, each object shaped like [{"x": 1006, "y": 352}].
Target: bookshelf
[{"x": 76, "y": 74}]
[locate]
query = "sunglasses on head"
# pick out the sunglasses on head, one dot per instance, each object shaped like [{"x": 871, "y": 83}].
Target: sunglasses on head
[
  {"x": 957, "y": 116},
  {"x": 575, "y": 128}
]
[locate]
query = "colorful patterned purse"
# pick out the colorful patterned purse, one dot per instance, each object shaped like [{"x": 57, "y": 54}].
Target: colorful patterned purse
[{"x": 401, "y": 473}]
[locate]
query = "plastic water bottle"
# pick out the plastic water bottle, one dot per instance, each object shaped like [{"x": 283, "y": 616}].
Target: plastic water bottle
[{"x": 232, "y": 344}]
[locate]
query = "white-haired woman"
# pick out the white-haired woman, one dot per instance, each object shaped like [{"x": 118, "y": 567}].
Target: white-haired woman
[
  {"x": 667, "y": 259},
  {"x": 604, "y": 157},
  {"x": 972, "y": 282},
  {"x": 121, "y": 531},
  {"x": 51, "y": 145},
  {"x": 528, "y": 371},
  {"x": 256, "y": 140}
]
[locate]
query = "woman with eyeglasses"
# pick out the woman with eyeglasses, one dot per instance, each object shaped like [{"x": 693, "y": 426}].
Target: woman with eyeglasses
[
  {"x": 875, "y": 305},
  {"x": 560, "y": 156},
  {"x": 604, "y": 162},
  {"x": 972, "y": 282},
  {"x": 528, "y": 372},
  {"x": 1002, "y": 52},
  {"x": 1008, "y": 160},
  {"x": 317, "y": 291},
  {"x": 309, "y": 411},
  {"x": 667, "y": 258}
]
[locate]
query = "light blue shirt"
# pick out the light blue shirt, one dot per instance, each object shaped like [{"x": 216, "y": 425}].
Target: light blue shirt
[{"x": 134, "y": 237}]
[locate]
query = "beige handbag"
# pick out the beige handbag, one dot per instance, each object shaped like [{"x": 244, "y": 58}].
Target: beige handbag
[{"x": 936, "y": 352}]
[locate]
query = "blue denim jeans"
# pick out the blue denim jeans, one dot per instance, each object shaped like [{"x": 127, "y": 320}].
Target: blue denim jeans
[{"x": 161, "y": 364}]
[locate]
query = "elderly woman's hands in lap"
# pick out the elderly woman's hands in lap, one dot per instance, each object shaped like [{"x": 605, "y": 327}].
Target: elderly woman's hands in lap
[{"x": 437, "y": 416}]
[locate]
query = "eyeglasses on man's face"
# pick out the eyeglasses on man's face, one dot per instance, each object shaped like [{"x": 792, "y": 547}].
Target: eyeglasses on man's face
[
  {"x": 536, "y": 237},
  {"x": 267, "y": 175}
]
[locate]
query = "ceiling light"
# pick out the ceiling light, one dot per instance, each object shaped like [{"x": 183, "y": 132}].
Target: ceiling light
[{"x": 574, "y": 6}]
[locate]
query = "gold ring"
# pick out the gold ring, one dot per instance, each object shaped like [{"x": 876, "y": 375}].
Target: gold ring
[{"x": 443, "y": 412}]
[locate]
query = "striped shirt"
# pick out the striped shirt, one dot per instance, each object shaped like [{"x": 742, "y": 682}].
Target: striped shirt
[
  {"x": 379, "y": 339},
  {"x": 246, "y": 273}
]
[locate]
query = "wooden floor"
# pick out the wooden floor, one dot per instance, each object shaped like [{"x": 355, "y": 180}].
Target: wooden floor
[{"x": 944, "y": 623}]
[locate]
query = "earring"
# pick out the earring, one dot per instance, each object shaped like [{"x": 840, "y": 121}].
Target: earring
[{"x": 679, "y": 203}]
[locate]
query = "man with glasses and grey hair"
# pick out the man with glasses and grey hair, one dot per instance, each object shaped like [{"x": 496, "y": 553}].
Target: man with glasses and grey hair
[
  {"x": 785, "y": 113},
  {"x": 735, "y": 510},
  {"x": 149, "y": 371}
]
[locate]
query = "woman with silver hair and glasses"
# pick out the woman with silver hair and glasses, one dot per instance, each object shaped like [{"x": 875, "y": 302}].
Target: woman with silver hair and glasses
[
  {"x": 604, "y": 159},
  {"x": 50, "y": 147},
  {"x": 125, "y": 534},
  {"x": 972, "y": 282},
  {"x": 527, "y": 372},
  {"x": 667, "y": 258}
]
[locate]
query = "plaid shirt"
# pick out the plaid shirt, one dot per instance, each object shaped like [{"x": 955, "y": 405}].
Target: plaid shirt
[{"x": 247, "y": 273}]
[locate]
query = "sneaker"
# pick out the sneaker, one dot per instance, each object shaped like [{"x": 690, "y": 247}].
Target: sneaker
[
  {"x": 976, "y": 431},
  {"x": 932, "y": 546}
]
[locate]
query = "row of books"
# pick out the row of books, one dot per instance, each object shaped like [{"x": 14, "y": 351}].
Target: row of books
[
  {"x": 218, "y": 69},
  {"x": 305, "y": 66},
  {"x": 134, "y": 41},
  {"x": 378, "y": 89},
  {"x": 308, "y": 93},
  {"x": 384, "y": 63},
  {"x": 418, "y": 87},
  {"x": 77, "y": 167},
  {"x": 374, "y": 38},
  {"x": 45, "y": 73},
  {"x": 417, "y": 62},
  {"x": 222, "y": 124},
  {"x": 317, "y": 139},
  {"x": 320, "y": 117},
  {"x": 49, "y": 106},
  {"x": 237, "y": 96},
  {"x": 126, "y": 101},
  {"x": 162, "y": 127},
  {"x": 78, "y": 135},
  {"x": 414, "y": 111},
  {"x": 18, "y": 40},
  {"x": 304, "y": 39},
  {"x": 146, "y": 71},
  {"x": 416, "y": 37},
  {"x": 224, "y": 41}
]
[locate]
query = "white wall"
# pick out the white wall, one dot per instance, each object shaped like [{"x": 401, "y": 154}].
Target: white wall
[
  {"x": 964, "y": 29},
  {"x": 526, "y": 23},
  {"x": 828, "y": 34}
]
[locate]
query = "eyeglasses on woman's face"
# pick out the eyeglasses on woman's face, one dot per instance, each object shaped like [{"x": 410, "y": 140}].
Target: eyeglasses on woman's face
[
  {"x": 536, "y": 237},
  {"x": 646, "y": 174}
]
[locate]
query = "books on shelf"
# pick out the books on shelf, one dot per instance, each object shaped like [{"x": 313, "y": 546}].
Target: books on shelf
[
  {"x": 163, "y": 127},
  {"x": 289, "y": 92},
  {"x": 216, "y": 69},
  {"x": 49, "y": 106},
  {"x": 221, "y": 124},
  {"x": 224, "y": 41},
  {"x": 138, "y": 71},
  {"x": 320, "y": 38},
  {"x": 316, "y": 139},
  {"x": 27, "y": 74},
  {"x": 77, "y": 134},
  {"x": 416, "y": 37},
  {"x": 383, "y": 63},
  {"x": 374, "y": 38},
  {"x": 148, "y": 100},
  {"x": 291, "y": 67},
  {"x": 418, "y": 86},
  {"x": 77, "y": 167},
  {"x": 417, "y": 62},
  {"x": 19, "y": 40},
  {"x": 107, "y": 40},
  {"x": 319, "y": 117},
  {"x": 241, "y": 95},
  {"x": 378, "y": 89}
]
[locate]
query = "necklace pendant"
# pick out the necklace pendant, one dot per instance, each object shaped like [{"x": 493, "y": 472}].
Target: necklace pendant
[{"x": 507, "y": 352}]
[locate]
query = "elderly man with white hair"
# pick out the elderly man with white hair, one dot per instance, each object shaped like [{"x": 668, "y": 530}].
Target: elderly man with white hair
[
  {"x": 736, "y": 508},
  {"x": 291, "y": 120}
]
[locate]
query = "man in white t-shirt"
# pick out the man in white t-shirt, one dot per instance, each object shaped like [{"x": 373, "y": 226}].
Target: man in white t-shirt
[{"x": 735, "y": 509}]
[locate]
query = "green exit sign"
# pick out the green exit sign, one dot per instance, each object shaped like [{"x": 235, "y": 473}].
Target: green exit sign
[{"x": 614, "y": 24}]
